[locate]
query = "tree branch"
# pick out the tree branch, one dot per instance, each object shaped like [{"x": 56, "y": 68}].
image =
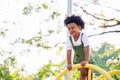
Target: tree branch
[
  {"x": 96, "y": 17},
  {"x": 104, "y": 6},
  {"x": 104, "y": 33},
  {"x": 118, "y": 23},
  {"x": 93, "y": 14}
]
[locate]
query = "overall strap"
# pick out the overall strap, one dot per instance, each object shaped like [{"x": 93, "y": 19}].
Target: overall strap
[
  {"x": 71, "y": 41},
  {"x": 81, "y": 38}
]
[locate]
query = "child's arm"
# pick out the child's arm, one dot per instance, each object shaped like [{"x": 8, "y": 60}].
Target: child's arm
[
  {"x": 69, "y": 64},
  {"x": 87, "y": 56}
]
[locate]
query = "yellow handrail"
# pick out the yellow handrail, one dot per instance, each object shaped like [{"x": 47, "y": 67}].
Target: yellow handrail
[
  {"x": 89, "y": 74},
  {"x": 113, "y": 72},
  {"x": 93, "y": 67},
  {"x": 69, "y": 75}
]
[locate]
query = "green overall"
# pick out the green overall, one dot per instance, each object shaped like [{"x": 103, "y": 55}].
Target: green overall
[{"x": 79, "y": 52}]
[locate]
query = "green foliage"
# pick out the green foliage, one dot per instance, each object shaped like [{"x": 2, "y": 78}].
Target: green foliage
[
  {"x": 5, "y": 73},
  {"x": 45, "y": 6},
  {"x": 55, "y": 14},
  {"x": 3, "y": 31},
  {"x": 37, "y": 9},
  {"x": 44, "y": 72},
  {"x": 76, "y": 74},
  {"x": 27, "y": 10},
  {"x": 48, "y": 71},
  {"x": 37, "y": 41},
  {"x": 50, "y": 31},
  {"x": 10, "y": 61},
  {"x": 103, "y": 54},
  {"x": 59, "y": 50},
  {"x": 114, "y": 64},
  {"x": 107, "y": 57}
]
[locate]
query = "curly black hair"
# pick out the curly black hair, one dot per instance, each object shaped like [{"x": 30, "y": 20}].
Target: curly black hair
[{"x": 74, "y": 19}]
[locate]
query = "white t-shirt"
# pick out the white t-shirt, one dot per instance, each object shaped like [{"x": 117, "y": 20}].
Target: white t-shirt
[{"x": 85, "y": 41}]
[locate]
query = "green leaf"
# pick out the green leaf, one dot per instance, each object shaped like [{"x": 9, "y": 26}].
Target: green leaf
[
  {"x": 27, "y": 10},
  {"x": 45, "y": 6}
]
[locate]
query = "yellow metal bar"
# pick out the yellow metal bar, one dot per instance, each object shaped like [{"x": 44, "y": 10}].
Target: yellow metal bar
[
  {"x": 113, "y": 72},
  {"x": 89, "y": 73},
  {"x": 61, "y": 74},
  {"x": 69, "y": 75},
  {"x": 93, "y": 67}
]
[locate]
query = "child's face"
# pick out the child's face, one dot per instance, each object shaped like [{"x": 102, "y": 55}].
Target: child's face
[{"x": 73, "y": 28}]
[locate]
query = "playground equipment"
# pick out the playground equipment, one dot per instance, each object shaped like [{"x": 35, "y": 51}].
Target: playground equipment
[
  {"x": 110, "y": 73},
  {"x": 103, "y": 73}
]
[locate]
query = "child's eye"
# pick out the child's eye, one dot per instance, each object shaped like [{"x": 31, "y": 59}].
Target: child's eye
[
  {"x": 73, "y": 28},
  {"x": 68, "y": 28}
]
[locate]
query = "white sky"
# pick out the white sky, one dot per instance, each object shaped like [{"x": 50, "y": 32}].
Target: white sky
[{"x": 27, "y": 26}]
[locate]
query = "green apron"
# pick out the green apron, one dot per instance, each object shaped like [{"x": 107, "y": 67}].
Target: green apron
[{"x": 79, "y": 53}]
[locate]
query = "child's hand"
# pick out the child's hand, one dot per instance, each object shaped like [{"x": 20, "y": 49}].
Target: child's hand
[
  {"x": 69, "y": 66},
  {"x": 83, "y": 63}
]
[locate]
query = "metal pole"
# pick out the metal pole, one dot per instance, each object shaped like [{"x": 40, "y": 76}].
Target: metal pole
[
  {"x": 69, "y": 13},
  {"x": 69, "y": 8}
]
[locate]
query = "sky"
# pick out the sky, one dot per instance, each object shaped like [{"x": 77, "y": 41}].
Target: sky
[{"x": 26, "y": 27}]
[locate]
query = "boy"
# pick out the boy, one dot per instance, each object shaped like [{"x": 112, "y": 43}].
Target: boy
[{"x": 78, "y": 41}]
